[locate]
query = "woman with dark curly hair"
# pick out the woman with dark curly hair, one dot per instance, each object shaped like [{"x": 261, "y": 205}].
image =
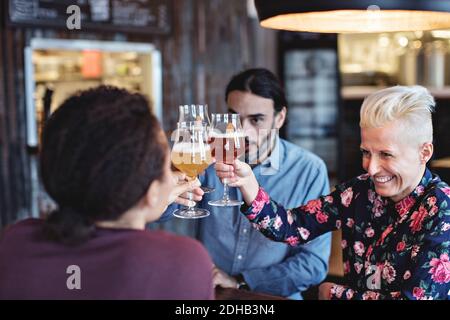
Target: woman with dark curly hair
[{"x": 105, "y": 161}]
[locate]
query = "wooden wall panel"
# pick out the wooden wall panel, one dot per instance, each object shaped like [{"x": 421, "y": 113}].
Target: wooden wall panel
[
  {"x": 5, "y": 197},
  {"x": 15, "y": 159}
]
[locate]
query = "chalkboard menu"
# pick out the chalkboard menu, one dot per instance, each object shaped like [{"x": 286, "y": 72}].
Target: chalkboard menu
[{"x": 130, "y": 16}]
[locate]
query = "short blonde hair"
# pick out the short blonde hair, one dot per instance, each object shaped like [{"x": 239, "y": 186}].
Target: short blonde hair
[{"x": 412, "y": 105}]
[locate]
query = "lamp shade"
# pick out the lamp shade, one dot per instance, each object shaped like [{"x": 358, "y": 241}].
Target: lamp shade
[{"x": 354, "y": 16}]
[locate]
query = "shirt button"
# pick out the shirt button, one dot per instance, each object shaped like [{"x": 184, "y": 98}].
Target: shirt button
[
  {"x": 239, "y": 257},
  {"x": 244, "y": 231}
]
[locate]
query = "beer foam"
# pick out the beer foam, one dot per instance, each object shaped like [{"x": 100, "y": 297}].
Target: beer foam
[
  {"x": 189, "y": 147},
  {"x": 227, "y": 135}
]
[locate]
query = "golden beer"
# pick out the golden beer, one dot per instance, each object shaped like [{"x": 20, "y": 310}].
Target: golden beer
[{"x": 190, "y": 161}]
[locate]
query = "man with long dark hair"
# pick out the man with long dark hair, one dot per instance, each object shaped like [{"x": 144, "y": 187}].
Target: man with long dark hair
[{"x": 243, "y": 257}]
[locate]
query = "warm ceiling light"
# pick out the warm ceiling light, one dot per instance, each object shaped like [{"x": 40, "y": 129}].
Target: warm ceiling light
[{"x": 354, "y": 16}]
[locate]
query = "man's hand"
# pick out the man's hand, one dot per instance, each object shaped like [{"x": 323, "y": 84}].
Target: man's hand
[
  {"x": 239, "y": 174},
  {"x": 325, "y": 290},
  {"x": 180, "y": 194},
  {"x": 222, "y": 279}
]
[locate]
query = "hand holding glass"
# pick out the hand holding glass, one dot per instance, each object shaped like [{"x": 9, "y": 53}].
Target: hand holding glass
[
  {"x": 191, "y": 154},
  {"x": 228, "y": 143},
  {"x": 196, "y": 112}
]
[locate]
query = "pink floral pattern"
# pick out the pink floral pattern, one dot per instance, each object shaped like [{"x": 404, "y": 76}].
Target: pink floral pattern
[
  {"x": 415, "y": 251},
  {"x": 359, "y": 248},
  {"x": 304, "y": 233},
  {"x": 337, "y": 290},
  {"x": 417, "y": 219},
  {"x": 446, "y": 190},
  {"x": 265, "y": 222},
  {"x": 420, "y": 189},
  {"x": 293, "y": 241},
  {"x": 418, "y": 293},
  {"x": 407, "y": 275},
  {"x": 445, "y": 227},
  {"x": 385, "y": 245},
  {"x": 440, "y": 269},
  {"x": 346, "y": 267},
  {"x": 370, "y": 295},
  {"x": 378, "y": 207},
  {"x": 401, "y": 246},
  {"x": 350, "y": 222},
  {"x": 404, "y": 205},
  {"x": 389, "y": 272},
  {"x": 385, "y": 233},
  {"x": 358, "y": 267},
  {"x": 321, "y": 217},
  {"x": 369, "y": 232},
  {"x": 277, "y": 223},
  {"x": 260, "y": 201},
  {"x": 349, "y": 294},
  {"x": 313, "y": 206},
  {"x": 290, "y": 217},
  {"x": 431, "y": 201},
  {"x": 371, "y": 195},
  {"x": 346, "y": 197}
]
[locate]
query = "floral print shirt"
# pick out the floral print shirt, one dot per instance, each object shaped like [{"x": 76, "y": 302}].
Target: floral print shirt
[{"x": 390, "y": 250}]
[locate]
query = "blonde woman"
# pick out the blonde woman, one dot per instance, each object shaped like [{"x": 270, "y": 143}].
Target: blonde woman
[{"x": 395, "y": 219}]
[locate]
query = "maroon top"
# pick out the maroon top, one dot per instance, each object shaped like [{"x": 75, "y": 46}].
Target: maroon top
[{"x": 115, "y": 264}]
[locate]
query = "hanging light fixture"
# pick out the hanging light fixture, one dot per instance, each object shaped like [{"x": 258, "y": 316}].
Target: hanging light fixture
[{"x": 354, "y": 16}]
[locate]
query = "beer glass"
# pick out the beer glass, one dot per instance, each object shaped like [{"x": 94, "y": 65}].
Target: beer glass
[
  {"x": 196, "y": 112},
  {"x": 191, "y": 154},
  {"x": 228, "y": 143}
]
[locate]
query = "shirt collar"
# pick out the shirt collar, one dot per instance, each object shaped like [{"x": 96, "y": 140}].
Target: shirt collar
[
  {"x": 272, "y": 163},
  {"x": 404, "y": 205}
]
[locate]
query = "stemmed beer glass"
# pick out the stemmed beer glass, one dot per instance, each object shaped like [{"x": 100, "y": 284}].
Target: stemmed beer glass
[
  {"x": 191, "y": 154},
  {"x": 228, "y": 143},
  {"x": 196, "y": 112}
]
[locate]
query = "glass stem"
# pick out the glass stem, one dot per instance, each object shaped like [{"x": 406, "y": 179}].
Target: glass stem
[
  {"x": 225, "y": 197},
  {"x": 191, "y": 207}
]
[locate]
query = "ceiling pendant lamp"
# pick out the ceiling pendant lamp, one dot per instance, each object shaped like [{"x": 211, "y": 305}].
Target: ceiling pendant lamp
[{"x": 354, "y": 16}]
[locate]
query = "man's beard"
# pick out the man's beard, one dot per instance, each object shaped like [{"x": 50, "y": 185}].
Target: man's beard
[{"x": 255, "y": 154}]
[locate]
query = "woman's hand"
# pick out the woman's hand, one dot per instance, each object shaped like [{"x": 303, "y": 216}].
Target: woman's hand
[
  {"x": 239, "y": 174},
  {"x": 325, "y": 290},
  {"x": 179, "y": 193}
]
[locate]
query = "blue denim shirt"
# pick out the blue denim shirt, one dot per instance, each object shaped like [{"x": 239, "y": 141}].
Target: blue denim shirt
[{"x": 293, "y": 176}]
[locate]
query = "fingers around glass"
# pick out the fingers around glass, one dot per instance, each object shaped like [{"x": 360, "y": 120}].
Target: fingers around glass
[
  {"x": 191, "y": 154},
  {"x": 228, "y": 143}
]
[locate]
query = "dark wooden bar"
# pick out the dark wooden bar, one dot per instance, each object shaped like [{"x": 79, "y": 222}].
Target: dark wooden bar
[{"x": 236, "y": 294}]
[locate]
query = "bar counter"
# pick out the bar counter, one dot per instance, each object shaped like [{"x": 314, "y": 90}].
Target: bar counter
[{"x": 236, "y": 294}]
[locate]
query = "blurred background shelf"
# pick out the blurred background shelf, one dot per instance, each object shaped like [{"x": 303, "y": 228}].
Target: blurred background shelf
[
  {"x": 360, "y": 92},
  {"x": 441, "y": 163}
]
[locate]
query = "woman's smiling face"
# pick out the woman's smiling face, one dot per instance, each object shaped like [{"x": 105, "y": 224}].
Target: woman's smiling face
[{"x": 395, "y": 164}]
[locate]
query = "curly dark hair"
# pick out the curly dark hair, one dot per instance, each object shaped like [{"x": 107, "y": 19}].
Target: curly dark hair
[
  {"x": 101, "y": 150},
  {"x": 260, "y": 82}
]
